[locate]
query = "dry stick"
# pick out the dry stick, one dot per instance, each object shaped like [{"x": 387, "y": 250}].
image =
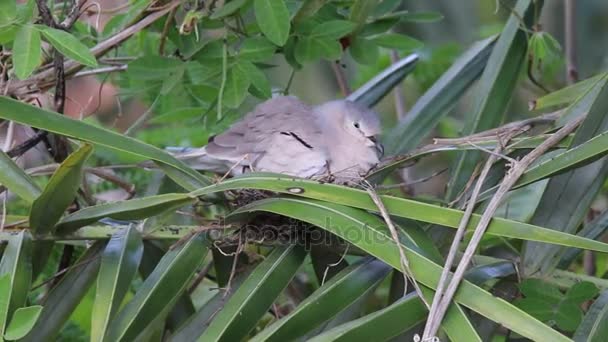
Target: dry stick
[
  {"x": 405, "y": 265},
  {"x": 464, "y": 222},
  {"x": 340, "y": 78},
  {"x": 511, "y": 178},
  {"x": 570, "y": 40}
]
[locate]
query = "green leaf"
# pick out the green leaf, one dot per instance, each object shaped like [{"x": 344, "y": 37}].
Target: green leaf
[
  {"x": 153, "y": 67},
  {"x": 369, "y": 233},
  {"x": 173, "y": 80},
  {"x": 160, "y": 290},
  {"x": 119, "y": 264},
  {"x": 333, "y": 29},
  {"x": 257, "y": 49},
  {"x": 380, "y": 325},
  {"x": 237, "y": 83},
  {"x": 568, "y": 316},
  {"x": 8, "y": 12},
  {"x": 399, "y": 207},
  {"x": 537, "y": 288},
  {"x": 397, "y": 41},
  {"x": 364, "y": 51},
  {"x": 228, "y": 9},
  {"x": 273, "y": 19},
  {"x": 354, "y": 282},
  {"x": 27, "y": 52},
  {"x": 495, "y": 88},
  {"x": 582, "y": 292},
  {"x": 360, "y": 10},
  {"x": 375, "y": 89},
  {"x": 68, "y": 45},
  {"x": 22, "y": 323},
  {"x": 536, "y": 307},
  {"x": 308, "y": 9},
  {"x": 566, "y": 95},
  {"x": 17, "y": 265},
  {"x": 16, "y": 180},
  {"x": 135, "y": 209},
  {"x": 439, "y": 99},
  {"x": 32, "y": 116},
  {"x": 594, "y": 327},
  {"x": 579, "y": 186},
  {"x": 255, "y": 296},
  {"x": 258, "y": 79},
  {"x": 66, "y": 295},
  {"x": 59, "y": 193}
]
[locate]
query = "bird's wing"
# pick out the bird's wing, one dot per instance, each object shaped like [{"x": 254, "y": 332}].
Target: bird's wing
[{"x": 279, "y": 135}]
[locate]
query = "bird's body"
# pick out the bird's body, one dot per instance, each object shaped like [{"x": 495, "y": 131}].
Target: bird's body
[{"x": 284, "y": 135}]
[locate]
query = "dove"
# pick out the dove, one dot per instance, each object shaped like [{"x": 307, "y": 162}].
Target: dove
[{"x": 337, "y": 140}]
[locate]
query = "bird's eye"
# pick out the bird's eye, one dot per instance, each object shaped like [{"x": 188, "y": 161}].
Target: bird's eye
[{"x": 356, "y": 124}]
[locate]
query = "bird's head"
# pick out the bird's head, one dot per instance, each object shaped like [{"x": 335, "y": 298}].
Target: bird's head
[{"x": 357, "y": 121}]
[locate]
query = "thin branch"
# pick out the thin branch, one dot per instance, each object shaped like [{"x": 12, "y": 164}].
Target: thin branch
[
  {"x": 405, "y": 265},
  {"x": 511, "y": 178},
  {"x": 103, "y": 70},
  {"x": 398, "y": 92},
  {"x": 570, "y": 40},
  {"x": 166, "y": 27},
  {"x": 341, "y": 78}
]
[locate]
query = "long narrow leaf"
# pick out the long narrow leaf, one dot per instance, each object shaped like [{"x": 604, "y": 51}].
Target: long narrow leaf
[
  {"x": 367, "y": 232},
  {"x": 255, "y": 296},
  {"x": 159, "y": 291},
  {"x": 32, "y": 116},
  {"x": 439, "y": 99},
  {"x": 119, "y": 264},
  {"x": 59, "y": 193},
  {"x": 17, "y": 265},
  {"x": 327, "y": 301},
  {"x": 16, "y": 180},
  {"x": 594, "y": 327}
]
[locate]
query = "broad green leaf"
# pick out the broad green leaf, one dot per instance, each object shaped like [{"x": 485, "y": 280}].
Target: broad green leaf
[
  {"x": 59, "y": 193},
  {"x": 333, "y": 29},
  {"x": 439, "y": 99},
  {"x": 397, "y": 41},
  {"x": 375, "y": 89},
  {"x": 258, "y": 79},
  {"x": 22, "y": 323},
  {"x": 360, "y": 10},
  {"x": 594, "y": 327},
  {"x": 567, "y": 95},
  {"x": 273, "y": 19},
  {"x": 66, "y": 295},
  {"x": 160, "y": 290},
  {"x": 235, "y": 91},
  {"x": 17, "y": 265},
  {"x": 582, "y": 292},
  {"x": 153, "y": 67},
  {"x": 68, "y": 45},
  {"x": 180, "y": 114},
  {"x": 32, "y": 116},
  {"x": 228, "y": 9},
  {"x": 373, "y": 237},
  {"x": 308, "y": 9},
  {"x": 16, "y": 180},
  {"x": 568, "y": 316},
  {"x": 255, "y": 296},
  {"x": 334, "y": 296},
  {"x": 495, "y": 88},
  {"x": 578, "y": 186},
  {"x": 135, "y": 209},
  {"x": 380, "y": 325},
  {"x": 119, "y": 264},
  {"x": 385, "y": 7},
  {"x": 399, "y": 207},
  {"x": 364, "y": 51},
  {"x": 8, "y": 12},
  {"x": 27, "y": 51},
  {"x": 256, "y": 49},
  {"x": 173, "y": 80}
]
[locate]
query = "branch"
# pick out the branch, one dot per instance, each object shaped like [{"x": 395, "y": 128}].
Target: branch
[
  {"x": 570, "y": 40},
  {"x": 511, "y": 178}
]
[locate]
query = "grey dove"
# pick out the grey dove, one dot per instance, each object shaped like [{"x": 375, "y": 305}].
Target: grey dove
[{"x": 337, "y": 139}]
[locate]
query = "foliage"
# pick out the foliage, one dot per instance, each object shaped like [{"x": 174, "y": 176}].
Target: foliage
[{"x": 182, "y": 255}]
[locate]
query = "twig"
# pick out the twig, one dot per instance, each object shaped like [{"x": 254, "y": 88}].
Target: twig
[
  {"x": 200, "y": 276},
  {"x": 398, "y": 91},
  {"x": 570, "y": 40},
  {"x": 340, "y": 78},
  {"x": 510, "y": 179},
  {"x": 163, "y": 36},
  {"x": 103, "y": 70},
  {"x": 326, "y": 271},
  {"x": 405, "y": 266},
  {"x": 464, "y": 222},
  {"x": 417, "y": 181}
]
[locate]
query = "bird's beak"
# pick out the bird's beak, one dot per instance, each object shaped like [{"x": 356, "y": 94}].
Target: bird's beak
[{"x": 377, "y": 145}]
